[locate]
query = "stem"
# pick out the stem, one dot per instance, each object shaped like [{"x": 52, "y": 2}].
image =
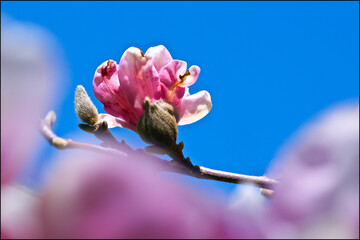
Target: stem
[
  {"x": 123, "y": 150},
  {"x": 61, "y": 143},
  {"x": 262, "y": 182}
]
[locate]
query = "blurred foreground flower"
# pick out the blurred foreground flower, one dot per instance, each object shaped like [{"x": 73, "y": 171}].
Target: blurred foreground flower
[
  {"x": 122, "y": 88},
  {"x": 100, "y": 196},
  {"x": 30, "y": 70},
  {"x": 97, "y": 196},
  {"x": 318, "y": 193}
]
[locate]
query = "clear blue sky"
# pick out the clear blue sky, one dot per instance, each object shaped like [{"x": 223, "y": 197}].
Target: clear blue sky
[{"x": 269, "y": 66}]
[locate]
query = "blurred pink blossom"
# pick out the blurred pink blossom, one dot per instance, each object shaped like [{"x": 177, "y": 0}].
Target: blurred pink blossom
[
  {"x": 103, "y": 197},
  {"x": 29, "y": 76},
  {"x": 318, "y": 193},
  {"x": 122, "y": 88},
  {"x": 100, "y": 196},
  {"x": 20, "y": 209},
  {"x": 30, "y": 72}
]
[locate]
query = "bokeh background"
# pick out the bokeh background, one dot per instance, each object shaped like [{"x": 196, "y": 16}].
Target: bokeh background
[{"x": 269, "y": 67}]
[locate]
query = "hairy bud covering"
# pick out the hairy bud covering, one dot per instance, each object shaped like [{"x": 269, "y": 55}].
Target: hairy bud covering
[
  {"x": 84, "y": 107},
  {"x": 158, "y": 125}
]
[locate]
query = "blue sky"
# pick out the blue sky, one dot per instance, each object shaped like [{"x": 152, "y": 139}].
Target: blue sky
[{"x": 269, "y": 66}]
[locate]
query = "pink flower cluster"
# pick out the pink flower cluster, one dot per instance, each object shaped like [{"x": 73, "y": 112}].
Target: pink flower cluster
[
  {"x": 122, "y": 88},
  {"x": 88, "y": 195}
]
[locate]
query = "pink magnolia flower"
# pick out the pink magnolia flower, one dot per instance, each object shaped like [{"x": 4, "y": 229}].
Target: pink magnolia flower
[{"x": 122, "y": 88}]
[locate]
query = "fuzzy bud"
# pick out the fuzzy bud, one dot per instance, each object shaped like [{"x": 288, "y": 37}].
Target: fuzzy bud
[
  {"x": 84, "y": 107},
  {"x": 158, "y": 125}
]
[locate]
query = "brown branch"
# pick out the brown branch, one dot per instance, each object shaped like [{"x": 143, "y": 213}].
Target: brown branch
[
  {"x": 262, "y": 182},
  {"x": 124, "y": 150}
]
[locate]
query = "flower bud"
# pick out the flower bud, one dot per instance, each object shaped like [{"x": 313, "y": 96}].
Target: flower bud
[
  {"x": 158, "y": 125},
  {"x": 84, "y": 107}
]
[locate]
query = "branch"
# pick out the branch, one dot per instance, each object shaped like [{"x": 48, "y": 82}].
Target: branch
[
  {"x": 123, "y": 150},
  {"x": 61, "y": 143}
]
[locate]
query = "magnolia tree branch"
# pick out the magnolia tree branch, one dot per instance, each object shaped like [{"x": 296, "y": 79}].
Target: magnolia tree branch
[
  {"x": 61, "y": 143},
  {"x": 121, "y": 149}
]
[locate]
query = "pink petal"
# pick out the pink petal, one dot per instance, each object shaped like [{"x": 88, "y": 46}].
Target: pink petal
[
  {"x": 174, "y": 74},
  {"x": 170, "y": 74},
  {"x": 159, "y": 55},
  {"x": 175, "y": 79},
  {"x": 138, "y": 78},
  {"x": 191, "y": 79},
  {"x": 116, "y": 122},
  {"x": 194, "y": 107},
  {"x": 174, "y": 96},
  {"x": 107, "y": 90}
]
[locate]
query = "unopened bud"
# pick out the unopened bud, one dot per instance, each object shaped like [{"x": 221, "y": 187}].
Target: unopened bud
[
  {"x": 84, "y": 107},
  {"x": 158, "y": 125}
]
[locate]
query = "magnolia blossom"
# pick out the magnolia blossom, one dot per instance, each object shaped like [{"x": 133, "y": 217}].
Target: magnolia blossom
[{"x": 122, "y": 88}]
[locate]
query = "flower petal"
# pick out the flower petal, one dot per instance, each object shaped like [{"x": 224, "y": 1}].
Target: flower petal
[
  {"x": 194, "y": 107},
  {"x": 116, "y": 122},
  {"x": 159, "y": 55},
  {"x": 190, "y": 79},
  {"x": 170, "y": 79},
  {"x": 138, "y": 79},
  {"x": 171, "y": 73},
  {"x": 107, "y": 90},
  {"x": 174, "y": 80}
]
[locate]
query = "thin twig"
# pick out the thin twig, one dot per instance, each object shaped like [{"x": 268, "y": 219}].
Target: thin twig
[
  {"x": 124, "y": 150},
  {"x": 61, "y": 143},
  {"x": 262, "y": 182}
]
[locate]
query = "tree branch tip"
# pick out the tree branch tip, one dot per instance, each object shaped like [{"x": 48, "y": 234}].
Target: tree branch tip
[{"x": 50, "y": 118}]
